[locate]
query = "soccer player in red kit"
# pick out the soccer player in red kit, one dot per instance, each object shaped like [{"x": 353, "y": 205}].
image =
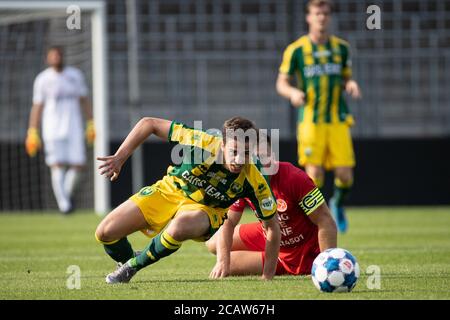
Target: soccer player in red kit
[{"x": 307, "y": 228}]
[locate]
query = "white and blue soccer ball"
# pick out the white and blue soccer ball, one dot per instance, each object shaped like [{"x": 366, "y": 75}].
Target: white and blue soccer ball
[{"x": 335, "y": 270}]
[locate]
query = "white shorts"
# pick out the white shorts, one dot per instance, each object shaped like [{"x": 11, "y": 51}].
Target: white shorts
[{"x": 69, "y": 151}]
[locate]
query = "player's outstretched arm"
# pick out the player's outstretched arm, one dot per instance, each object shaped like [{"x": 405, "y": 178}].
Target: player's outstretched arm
[
  {"x": 147, "y": 126},
  {"x": 327, "y": 234},
  {"x": 224, "y": 242},
  {"x": 273, "y": 237}
]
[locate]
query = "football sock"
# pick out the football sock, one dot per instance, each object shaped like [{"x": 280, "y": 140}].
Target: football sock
[
  {"x": 57, "y": 175},
  {"x": 341, "y": 191},
  {"x": 161, "y": 246},
  {"x": 119, "y": 250},
  {"x": 70, "y": 180}
]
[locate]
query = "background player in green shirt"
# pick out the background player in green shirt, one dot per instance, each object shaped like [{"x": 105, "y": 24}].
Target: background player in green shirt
[{"x": 322, "y": 66}]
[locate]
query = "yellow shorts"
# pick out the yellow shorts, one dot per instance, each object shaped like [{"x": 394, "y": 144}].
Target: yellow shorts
[
  {"x": 160, "y": 202},
  {"x": 326, "y": 145}
]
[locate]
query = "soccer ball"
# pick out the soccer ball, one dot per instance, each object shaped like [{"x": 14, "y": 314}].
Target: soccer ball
[{"x": 335, "y": 270}]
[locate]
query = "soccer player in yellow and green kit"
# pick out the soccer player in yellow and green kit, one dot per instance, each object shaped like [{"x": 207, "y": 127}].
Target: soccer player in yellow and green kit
[
  {"x": 322, "y": 66},
  {"x": 192, "y": 199}
]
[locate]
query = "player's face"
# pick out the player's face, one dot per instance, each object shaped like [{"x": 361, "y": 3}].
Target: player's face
[
  {"x": 319, "y": 18},
  {"x": 236, "y": 154},
  {"x": 54, "y": 58}
]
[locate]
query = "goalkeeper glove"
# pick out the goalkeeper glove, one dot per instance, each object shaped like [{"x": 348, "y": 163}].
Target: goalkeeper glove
[
  {"x": 33, "y": 142},
  {"x": 90, "y": 132}
]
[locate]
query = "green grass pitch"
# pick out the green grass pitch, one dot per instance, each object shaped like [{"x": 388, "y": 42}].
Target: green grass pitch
[{"x": 410, "y": 245}]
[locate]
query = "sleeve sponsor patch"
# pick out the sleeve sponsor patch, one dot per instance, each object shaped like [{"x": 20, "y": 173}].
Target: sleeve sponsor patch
[
  {"x": 267, "y": 204},
  {"x": 311, "y": 201}
]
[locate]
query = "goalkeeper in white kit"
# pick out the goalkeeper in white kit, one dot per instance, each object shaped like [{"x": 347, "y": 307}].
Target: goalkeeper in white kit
[{"x": 59, "y": 94}]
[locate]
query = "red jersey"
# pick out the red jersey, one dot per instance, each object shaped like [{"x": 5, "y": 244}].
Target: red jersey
[{"x": 297, "y": 197}]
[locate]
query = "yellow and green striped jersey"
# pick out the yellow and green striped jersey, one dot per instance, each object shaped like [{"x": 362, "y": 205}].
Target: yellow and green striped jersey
[
  {"x": 320, "y": 70},
  {"x": 205, "y": 180}
]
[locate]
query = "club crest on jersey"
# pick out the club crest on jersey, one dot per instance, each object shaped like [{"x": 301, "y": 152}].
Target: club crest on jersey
[
  {"x": 146, "y": 191},
  {"x": 236, "y": 187},
  {"x": 281, "y": 205}
]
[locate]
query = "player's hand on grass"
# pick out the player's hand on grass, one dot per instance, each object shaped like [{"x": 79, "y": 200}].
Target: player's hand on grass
[
  {"x": 297, "y": 98},
  {"x": 90, "y": 132},
  {"x": 220, "y": 270},
  {"x": 110, "y": 167},
  {"x": 33, "y": 142},
  {"x": 352, "y": 88}
]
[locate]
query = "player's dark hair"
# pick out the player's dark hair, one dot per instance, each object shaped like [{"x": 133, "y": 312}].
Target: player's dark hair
[
  {"x": 236, "y": 123},
  {"x": 319, "y": 3}
]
